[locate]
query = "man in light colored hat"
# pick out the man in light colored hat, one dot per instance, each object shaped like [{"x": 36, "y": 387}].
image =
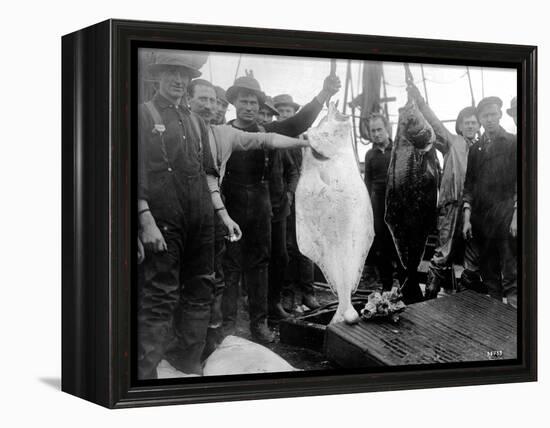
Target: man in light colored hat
[
  {"x": 513, "y": 110},
  {"x": 455, "y": 149},
  {"x": 175, "y": 220},
  {"x": 224, "y": 140},
  {"x": 248, "y": 196},
  {"x": 490, "y": 202},
  {"x": 299, "y": 276},
  {"x": 221, "y": 104},
  {"x": 266, "y": 112},
  {"x": 285, "y": 105}
]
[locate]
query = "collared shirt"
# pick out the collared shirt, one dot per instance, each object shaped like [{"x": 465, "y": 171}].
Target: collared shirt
[{"x": 179, "y": 147}]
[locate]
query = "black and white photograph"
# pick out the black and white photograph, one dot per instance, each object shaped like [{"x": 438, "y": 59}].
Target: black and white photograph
[{"x": 307, "y": 214}]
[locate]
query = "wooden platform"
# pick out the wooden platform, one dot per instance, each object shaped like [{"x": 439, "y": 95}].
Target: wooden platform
[{"x": 462, "y": 327}]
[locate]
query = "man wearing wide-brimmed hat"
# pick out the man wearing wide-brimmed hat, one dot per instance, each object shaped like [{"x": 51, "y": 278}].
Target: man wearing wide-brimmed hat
[
  {"x": 285, "y": 105},
  {"x": 266, "y": 112},
  {"x": 224, "y": 140},
  {"x": 249, "y": 195},
  {"x": 175, "y": 218},
  {"x": 513, "y": 110},
  {"x": 490, "y": 201}
]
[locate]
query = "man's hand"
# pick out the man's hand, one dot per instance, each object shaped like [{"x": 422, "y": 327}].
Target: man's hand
[
  {"x": 514, "y": 225},
  {"x": 141, "y": 252},
  {"x": 414, "y": 94},
  {"x": 150, "y": 235},
  {"x": 233, "y": 230},
  {"x": 290, "y": 197},
  {"x": 331, "y": 85},
  {"x": 467, "y": 230}
]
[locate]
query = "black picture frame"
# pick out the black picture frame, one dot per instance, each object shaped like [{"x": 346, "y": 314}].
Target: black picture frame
[{"x": 98, "y": 161}]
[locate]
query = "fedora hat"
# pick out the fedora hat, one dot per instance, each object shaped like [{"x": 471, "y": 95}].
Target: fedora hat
[
  {"x": 190, "y": 61},
  {"x": 512, "y": 111},
  {"x": 285, "y": 99},
  {"x": 268, "y": 103},
  {"x": 220, "y": 94},
  {"x": 248, "y": 83}
]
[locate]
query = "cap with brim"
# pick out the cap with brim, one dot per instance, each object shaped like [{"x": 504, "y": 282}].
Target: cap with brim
[
  {"x": 285, "y": 99},
  {"x": 268, "y": 103},
  {"x": 245, "y": 83},
  {"x": 191, "y": 62},
  {"x": 488, "y": 101},
  {"x": 512, "y": 111},
  {"x": 220, "y": 94}
]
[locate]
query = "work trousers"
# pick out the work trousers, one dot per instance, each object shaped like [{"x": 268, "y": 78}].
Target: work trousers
[
  {"x": 278, "y": 261},
  {"x": 176, "y": 290},
  {"x": 450, "y": 244},
  {"x": 300, "y": 270},
  {"x": 383, "y": 246},
  {"x": 250, "y": 207},
  {"x": 215, "y": 334},
  {"x": 499, "y": 268}
]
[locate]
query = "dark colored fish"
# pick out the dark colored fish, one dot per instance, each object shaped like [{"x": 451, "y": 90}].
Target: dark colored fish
[{"x": 411, "y": 196}]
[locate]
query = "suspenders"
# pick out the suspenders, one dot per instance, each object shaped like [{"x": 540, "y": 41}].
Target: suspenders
[{"x": 160, "y": 128}]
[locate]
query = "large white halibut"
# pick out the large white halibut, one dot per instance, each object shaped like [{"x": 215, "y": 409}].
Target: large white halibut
[{"x": 334, "y": 222}]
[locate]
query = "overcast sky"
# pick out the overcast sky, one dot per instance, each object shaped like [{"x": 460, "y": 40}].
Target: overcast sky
[{"x": 447, "y": 86}]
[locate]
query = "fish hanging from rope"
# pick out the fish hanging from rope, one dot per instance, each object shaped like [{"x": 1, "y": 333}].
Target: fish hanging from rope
[
  {"x": 411, "y": 194},
  {"x": 334, "y": 221}
]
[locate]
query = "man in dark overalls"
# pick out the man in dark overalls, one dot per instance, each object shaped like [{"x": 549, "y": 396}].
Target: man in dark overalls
[
  {"x": 490, "y": 202},
  {"x": 247, "y": 198},
  {"x": 175, "y": 219}
]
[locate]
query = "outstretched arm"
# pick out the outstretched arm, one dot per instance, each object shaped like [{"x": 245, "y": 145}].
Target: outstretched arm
[
  {"x": 442, "y": 134},
  {"x": 303, "y": 120}
]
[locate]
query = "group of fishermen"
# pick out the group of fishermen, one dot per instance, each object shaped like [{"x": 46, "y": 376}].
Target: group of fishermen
[
  {"x": 477, "y": 202},
  {"x": 216, "y": 216}
]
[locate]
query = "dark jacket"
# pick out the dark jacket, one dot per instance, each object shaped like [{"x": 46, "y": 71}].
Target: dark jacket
[
  {"x": 253, "y": 166},
  {"x": 376, "y": 168},
  {"x": 284, "y": 178},
  {"x": 491, "y": 183}
]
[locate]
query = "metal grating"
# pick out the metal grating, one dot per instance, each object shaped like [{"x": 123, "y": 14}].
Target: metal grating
[{"x": 462, "y": 327}]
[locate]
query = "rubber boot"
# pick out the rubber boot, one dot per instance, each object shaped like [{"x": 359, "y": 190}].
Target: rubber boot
[
  {"x": 410, "y": 289},
  {"x": 256, "y": 280},
  {"x": 433, "y": 284},
  {"x": 230, "y": 302},
  {"x": 191, "y": 322}
]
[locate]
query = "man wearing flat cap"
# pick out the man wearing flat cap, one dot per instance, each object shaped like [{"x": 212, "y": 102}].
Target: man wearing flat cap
[
  {"x": 490, "y": 202},
  {"x": 175, "y": 220},
  {"x": 246, "y": 188}
]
